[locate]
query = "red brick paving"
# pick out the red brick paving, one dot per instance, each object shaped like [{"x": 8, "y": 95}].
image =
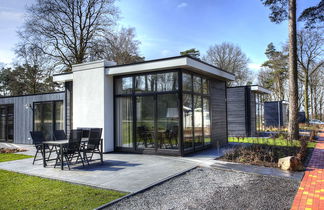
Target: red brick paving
[{"x": 310, "y": 194}]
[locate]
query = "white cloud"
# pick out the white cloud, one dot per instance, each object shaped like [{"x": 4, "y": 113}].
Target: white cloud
[
  {"x": 182, "y": 5},
  {"x": 254, "y": 66}
]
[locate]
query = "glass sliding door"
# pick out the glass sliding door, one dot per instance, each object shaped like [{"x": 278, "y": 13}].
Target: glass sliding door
[
  {"x": 145, "y": 123},
  {"x": 7, "y": 123},
  {"x": 167, "y": 121},
  {"x": 48, "y": 116},
  {"x": 124, "y": 124}
]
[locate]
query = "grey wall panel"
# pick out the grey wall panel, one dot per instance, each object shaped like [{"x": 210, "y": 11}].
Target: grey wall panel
[
  {"x": 271, "y": 113},
  {"x": 236, "y": 111},
  {"x": 218, "y": 112},
  {"x": 23, "y": 118}
]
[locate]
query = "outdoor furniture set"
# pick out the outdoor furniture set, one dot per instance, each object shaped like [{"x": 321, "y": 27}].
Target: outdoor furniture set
[{"x": 81, "y": 144}]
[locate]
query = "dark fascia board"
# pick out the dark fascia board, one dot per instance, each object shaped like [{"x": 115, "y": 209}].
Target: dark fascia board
[
  {"x": 36, "y": 94},
  {"x": 169, "y": 58},
  {"x": 64, "y": 73},
  {"x": 247, "y": 86}
]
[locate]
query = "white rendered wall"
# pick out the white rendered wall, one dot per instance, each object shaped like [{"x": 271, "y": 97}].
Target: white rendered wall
[{"x": 93, "y": 100}]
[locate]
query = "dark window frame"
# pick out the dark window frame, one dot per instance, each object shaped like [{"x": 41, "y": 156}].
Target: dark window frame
[
  {"x": 53, "y": 105},
  {"x": 7, "y": 124},
  {"x": 179, "y": 92}
]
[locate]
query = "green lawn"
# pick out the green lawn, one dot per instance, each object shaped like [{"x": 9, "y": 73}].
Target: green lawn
[
  {"x": 270, "y": 141},
  {"x": 11, "y": 156},
  {"x": 19, "y": 191}
]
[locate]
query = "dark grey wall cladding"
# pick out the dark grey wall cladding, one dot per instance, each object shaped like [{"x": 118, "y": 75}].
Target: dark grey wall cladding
[
  {"x": 23, "y": 118},
  {"x": 236, "y": 111},
  {"x": 218, "y": 112},
  {"x": 271, "y": 116},
  {"x": 253, "y": 114}
]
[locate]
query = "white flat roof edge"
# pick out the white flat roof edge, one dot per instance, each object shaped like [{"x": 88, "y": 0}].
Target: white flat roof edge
[
  {"x": 179, "y": 62},
  {"x": 260, "y": 89},
  {"x": 63, "y": 77}
]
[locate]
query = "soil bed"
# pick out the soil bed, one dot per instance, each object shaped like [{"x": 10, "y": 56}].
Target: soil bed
[{"x": 262, "y": 155}]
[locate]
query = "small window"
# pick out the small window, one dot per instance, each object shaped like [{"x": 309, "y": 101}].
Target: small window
[
  {"x": 124, "y": 85},
  {"x": 186, "y": 82},
  {"x": 205, "y": 84},
  {"x": 197, "y": 84},
  {"x": 167, "y": 81},
  {"x": 145, "y": 83}
]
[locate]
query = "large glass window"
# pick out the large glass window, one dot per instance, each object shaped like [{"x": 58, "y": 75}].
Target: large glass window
[
  {"x": 7, "y": 123},
  {"x": 48, "y": 116},
  {"x": 124, "y": 122},
  {"x": 151, "y": 106},
  {"x": 196, "y": 113},
  {"x": 168, "y": 121},
  {"x": 145, "y": 125}
]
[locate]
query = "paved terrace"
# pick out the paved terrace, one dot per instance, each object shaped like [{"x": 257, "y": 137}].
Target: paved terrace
[
  {"x": 133, "y": 172},
  {"x": 311, "y": 191}
]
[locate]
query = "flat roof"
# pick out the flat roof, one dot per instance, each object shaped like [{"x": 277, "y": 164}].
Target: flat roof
[
  {"x": 35, "y": 94},
  {"x": 255, "y": 88},
  {"x": 184, "y": 61}
]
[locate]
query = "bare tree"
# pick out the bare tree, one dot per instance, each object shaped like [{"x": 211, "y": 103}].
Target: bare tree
[
  {"x": 231, "y": 58},
  {"x": 310, "y": 60},
  {"x": 67, "y": 28},
  {"x": 119, "y": 46}
]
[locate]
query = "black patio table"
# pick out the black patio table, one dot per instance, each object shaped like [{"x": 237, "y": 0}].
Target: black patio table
[{"x": 61, "y": 144}]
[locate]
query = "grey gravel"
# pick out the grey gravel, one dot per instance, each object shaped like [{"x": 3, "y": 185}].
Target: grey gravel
[{"x": 208, "y": 188}]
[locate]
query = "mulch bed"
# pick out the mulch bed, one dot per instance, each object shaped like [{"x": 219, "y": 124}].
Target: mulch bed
[
  {"x": 262, "y": 155},
  {"x": 10, "y": 150}
]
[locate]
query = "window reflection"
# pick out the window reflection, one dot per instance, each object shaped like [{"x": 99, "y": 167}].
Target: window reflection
[
  {"x": 167, "y": 81},
  {"x": 198, "y": 117},
  {"x": 206, "y": 120},
  {"x": 145, "y": 125},
  {"x": 197, "y": 84},
  {"x": 124, "y": 122},
  {"x": 168, "y": 121},
  {"x": 187, "y": 121},
  {"x": 124, "y": 85},
  {"x": 186, "y": 82}
]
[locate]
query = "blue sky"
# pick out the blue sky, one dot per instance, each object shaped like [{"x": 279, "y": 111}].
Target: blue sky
[{"x": 166, "y": 27}]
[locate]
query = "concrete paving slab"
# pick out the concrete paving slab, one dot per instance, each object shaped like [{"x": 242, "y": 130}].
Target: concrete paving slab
[{"x": 122, "y": 172}]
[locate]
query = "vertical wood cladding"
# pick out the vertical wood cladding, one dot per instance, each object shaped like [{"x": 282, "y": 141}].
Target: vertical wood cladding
[
  {"x": 23, "y": 116},
  {"x": 218, "y": 112},
  {"x": 237, "y": 115}
]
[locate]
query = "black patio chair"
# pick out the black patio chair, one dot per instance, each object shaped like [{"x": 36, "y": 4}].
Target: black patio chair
[
  {"x": 59, "y": 135},
  {"x": 38, "y": 138},
  {"x": 94, "y": 145},
  {"x": 72, "y": 149}
]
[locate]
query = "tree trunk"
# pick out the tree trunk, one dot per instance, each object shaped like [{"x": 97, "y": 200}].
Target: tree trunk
[
  {"x": 293, "y": 127},
  {"x": 306, "y": 97}
]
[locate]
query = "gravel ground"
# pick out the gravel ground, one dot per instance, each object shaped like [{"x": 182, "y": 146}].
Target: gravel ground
[{"x": 208, "y": 188}]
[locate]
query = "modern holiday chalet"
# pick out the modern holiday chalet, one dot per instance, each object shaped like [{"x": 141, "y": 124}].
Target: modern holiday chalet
[
  {"x": 169, "y": 106},
  {"x": 245, "y": 110}
]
